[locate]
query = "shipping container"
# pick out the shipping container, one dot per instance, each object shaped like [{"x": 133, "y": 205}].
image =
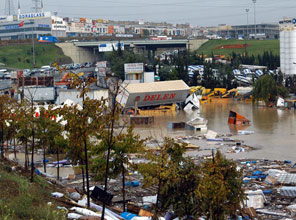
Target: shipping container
[{"x": 152, "y": 94}]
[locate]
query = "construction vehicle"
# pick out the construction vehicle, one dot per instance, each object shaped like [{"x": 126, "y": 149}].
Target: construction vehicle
[
  {"x": 230, "y": 93},
  {"x": 56, "y": 65},
  {"x": 66, "y": 80},
  {"x": 217, "y": 92},
  {"x": 198, "y": 90}
]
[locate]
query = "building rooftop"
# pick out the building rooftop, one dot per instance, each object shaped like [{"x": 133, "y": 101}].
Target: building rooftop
[{"x": 164, "y": 86}]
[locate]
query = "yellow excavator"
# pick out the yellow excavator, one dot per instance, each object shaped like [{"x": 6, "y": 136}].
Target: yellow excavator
[
  {"x": 198, "y": 90},
  {"x": 217, "y": 92},
  {"x": 230, "y": 93},
  {"x": 56, "y": 65}
]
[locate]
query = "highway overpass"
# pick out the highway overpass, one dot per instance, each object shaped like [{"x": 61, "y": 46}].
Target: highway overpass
[
  {"x": 148, "y": 44},
  {"x": 84, "y": 51}
]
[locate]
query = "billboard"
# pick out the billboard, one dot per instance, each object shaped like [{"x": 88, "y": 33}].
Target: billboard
[
  {"x": 102, "y": 64},
  {"x": 111, "y": 29},
  {"x": 131, "y": 68},
  {"x": 37, "y": 15},
  {"x": 47, "y": 39},
  {"x": 6, "y": 18},
  {"x": 110, "y": 47},
  {"x": 82, "y": 20}
]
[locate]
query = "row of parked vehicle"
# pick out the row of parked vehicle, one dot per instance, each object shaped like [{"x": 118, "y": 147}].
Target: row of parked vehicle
[
  {"x": 75, "y": 66},
  {"x": 51, "y": 70}
]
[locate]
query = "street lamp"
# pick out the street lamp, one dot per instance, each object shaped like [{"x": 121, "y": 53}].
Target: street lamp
[
  {"x": 247, "y": 10},
  {"x": 254, "y": 1}
]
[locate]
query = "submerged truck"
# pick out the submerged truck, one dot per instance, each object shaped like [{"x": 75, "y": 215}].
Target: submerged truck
[{"x": 152, "y": 94}]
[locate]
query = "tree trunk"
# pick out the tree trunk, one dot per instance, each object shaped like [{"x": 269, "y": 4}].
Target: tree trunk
[
  {"x": 14, "y": 148},
  {"x": 26, "y": 156},
  {"x": 106, "y": 183},
  {"x": 44, "y": 163},
  {"x": 83, "y": 181},
  {"x": 32, "y": 160},
  {"x": 110, "y": 145},
  {"x": 155, "y": 216},
  {"x": 123, "y": 185},
  {"x": 86, "y": 170},
  {"x": 58, "y": 168},
  {"x": 2, "y": 141}
]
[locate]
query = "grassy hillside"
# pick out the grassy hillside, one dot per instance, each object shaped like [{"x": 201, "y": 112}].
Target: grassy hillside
[
  {"x": 20, "y": 199},
  {"x": 226, "y": 47},
  {"x": 21, "y": 56}
]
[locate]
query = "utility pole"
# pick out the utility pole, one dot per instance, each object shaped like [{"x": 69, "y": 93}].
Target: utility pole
[
  {"x": 247, "y": 37},
  {"x": 254, "y": 1},
  {"x": 33, "y": 44},
  {"x": 247, "y": 10}
]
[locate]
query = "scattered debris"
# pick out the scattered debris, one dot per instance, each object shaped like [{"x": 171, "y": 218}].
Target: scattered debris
[{"x": 57, "y": 194}]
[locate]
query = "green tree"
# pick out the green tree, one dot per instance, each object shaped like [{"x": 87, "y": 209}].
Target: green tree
[
  {"x": 220, "y": 190},
  {"x": 23, "y": 133},
  {"x": 125, "y": 143},
  {"x": 265, "y": 89},
  {"x": 82, "y": 124},
  {"x": 117, "y": 59},
  {"x": 162, "y": 171},
  {"x": 181, "y": 190},
  {"x": 5, "y": 115}
]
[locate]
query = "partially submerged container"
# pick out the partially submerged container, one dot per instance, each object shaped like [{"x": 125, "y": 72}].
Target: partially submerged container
[{"x": 237, "y": 119}]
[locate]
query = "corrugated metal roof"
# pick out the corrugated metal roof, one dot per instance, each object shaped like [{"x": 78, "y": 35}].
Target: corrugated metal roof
[
  {"x": 164, "y": 86},
  {"x": 288, "y": 191},
  {"x": 287, "y": 178}
]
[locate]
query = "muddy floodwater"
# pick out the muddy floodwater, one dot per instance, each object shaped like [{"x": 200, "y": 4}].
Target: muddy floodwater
[{"x": 274, "y": 129}]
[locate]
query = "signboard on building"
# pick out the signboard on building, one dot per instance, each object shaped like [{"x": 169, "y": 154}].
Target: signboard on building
[
  {"x": 110, "y": 29},
  {"x": 83, "y": 20},
  {"x": 131, "y": 68},
  {"x": 110, "y": 47},
  {"x": 37, "y": 15},
  {"x": 6, "y": 18},
  {"x": 102, "y": 64}
]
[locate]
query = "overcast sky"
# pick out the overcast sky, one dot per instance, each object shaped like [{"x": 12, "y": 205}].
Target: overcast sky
[{"x": 196, "y": 12}]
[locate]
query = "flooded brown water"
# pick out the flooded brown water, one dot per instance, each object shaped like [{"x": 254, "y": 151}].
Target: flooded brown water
[{"x": 275, "y": 129}]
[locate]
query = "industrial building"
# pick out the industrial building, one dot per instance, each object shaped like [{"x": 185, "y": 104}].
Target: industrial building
[
  {"x": 288, "y": 46},
  {"x": 25, "y": 25},
  {"x": 263, "y": 31}
]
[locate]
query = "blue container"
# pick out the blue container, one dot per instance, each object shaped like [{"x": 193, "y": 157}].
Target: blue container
[
  {"x": 128, "y": 183},
  {"x": 256, "y": 173},
  {"x": 37, "y": 172},
  {"x": 254, "y": 177},
  {"x": 127, "y": 215},
  {"x": 265, "y": 192},
  {"x": 135, "y": 183}
]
